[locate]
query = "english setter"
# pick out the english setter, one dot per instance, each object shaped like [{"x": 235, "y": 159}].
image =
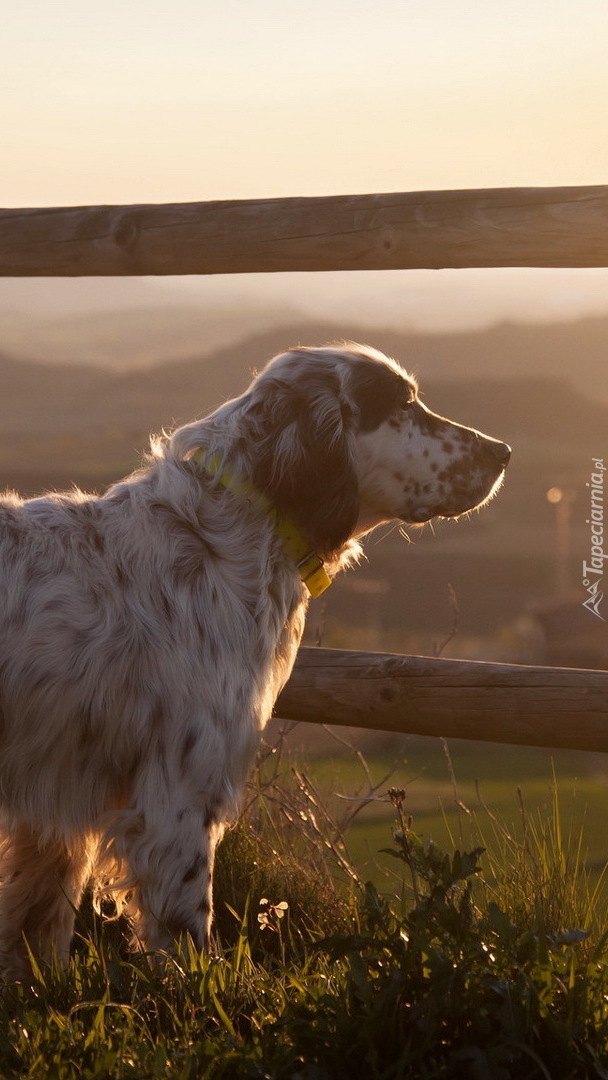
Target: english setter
[{"x": 146, "y": 633}]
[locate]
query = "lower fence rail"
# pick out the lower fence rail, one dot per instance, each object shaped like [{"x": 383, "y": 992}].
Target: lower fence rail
[{"x": 563, "y": 708}]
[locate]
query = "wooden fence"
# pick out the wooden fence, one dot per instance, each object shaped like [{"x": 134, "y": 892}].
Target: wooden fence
[
  {"x": 568, "y": 227},
  {"x": 423, "y": 695},
  {"x": 495, "y": 227}
]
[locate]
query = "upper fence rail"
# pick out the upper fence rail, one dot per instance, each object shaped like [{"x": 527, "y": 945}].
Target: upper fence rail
[{"x": 550, "y": 227}]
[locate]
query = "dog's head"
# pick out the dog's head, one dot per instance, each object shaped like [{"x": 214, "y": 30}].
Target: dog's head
[{"x": 341, "y": 443}]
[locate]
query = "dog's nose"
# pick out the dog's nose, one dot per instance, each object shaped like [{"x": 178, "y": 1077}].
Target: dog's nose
[{"x": 501, "y": 451}]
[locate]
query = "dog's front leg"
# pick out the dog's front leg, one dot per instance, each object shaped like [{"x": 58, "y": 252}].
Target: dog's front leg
[{"x": 171, "y": 866}]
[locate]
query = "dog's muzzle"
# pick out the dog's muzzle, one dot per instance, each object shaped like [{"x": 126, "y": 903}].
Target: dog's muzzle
[{"x": 488, "y": 458}]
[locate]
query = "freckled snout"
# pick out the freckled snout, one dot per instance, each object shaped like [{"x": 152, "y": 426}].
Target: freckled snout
[
  {"x": 467, "y": 469},
  {"x": 474, "y": 473}
]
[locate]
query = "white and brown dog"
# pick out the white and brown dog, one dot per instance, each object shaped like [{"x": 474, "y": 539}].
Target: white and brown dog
[{"x": 147, "y": 633}]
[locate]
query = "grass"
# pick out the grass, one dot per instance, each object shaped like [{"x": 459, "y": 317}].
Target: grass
[
  {"x": 451, "y": 788},
  {"x": 464, "y": 963}
]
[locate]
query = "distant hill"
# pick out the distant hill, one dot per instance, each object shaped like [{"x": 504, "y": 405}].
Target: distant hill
[
  {"x": 70, "y": 417},
  {"x": 123, "y": 323},
  {"x": 576, "y": 351},
  {"x": 145, "y": 337},
  {"x": 62, "y": 424},
  {"x": 554, "y": 407}
]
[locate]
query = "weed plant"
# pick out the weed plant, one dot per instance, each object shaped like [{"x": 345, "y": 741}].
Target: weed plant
[{"x": 479, "y": 968}]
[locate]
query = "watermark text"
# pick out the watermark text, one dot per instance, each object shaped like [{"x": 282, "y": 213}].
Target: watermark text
[{"x": 593, "y": 570}]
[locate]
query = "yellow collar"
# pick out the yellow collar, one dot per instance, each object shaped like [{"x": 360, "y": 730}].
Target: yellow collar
[{"x": 309, "y": 564}]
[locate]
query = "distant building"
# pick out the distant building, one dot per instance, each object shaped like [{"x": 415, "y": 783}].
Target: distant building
[{"x": 570, "y": 634}]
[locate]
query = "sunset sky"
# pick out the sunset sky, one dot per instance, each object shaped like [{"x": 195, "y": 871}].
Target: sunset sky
[{"x": 155, "y": 102}]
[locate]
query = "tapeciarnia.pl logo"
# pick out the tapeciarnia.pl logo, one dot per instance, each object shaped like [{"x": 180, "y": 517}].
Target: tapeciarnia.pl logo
[{"x": 593, "y": 571}]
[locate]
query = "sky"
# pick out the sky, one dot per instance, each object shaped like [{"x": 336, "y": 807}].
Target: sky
[{"x": 145, "y": 101}]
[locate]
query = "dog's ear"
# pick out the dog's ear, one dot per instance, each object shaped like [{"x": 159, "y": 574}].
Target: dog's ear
[{"x": 302, "y": 459}]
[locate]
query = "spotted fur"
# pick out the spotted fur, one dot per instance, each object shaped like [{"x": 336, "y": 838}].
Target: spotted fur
[{"x": 146, "y": 633}]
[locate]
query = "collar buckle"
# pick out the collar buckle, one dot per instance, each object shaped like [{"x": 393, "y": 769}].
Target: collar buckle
[{"x": 313, "y": 574}]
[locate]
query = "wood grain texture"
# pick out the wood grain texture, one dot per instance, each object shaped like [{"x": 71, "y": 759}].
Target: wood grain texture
[
  {"x": 565, "y": 226},
  {"x": 506, "y": 703}
]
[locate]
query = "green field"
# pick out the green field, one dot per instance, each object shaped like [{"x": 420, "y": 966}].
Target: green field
[
  {"x": 459, "y": 964},
  {"x": 458, "y": 792}
]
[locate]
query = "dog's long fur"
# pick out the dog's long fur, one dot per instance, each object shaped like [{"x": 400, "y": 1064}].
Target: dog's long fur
[{"x": 146, "y": 633}]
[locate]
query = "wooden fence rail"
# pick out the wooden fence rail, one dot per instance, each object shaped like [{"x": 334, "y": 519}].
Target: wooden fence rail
[
  {"x": 506, "y": 703},
  {"x": 565, "y": 226}
]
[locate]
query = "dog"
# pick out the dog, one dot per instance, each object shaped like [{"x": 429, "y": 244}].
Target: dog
[{"x": 147, "y": 632}]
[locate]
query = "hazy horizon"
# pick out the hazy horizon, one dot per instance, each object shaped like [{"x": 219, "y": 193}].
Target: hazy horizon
[{"x": 423, "y": 301}]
